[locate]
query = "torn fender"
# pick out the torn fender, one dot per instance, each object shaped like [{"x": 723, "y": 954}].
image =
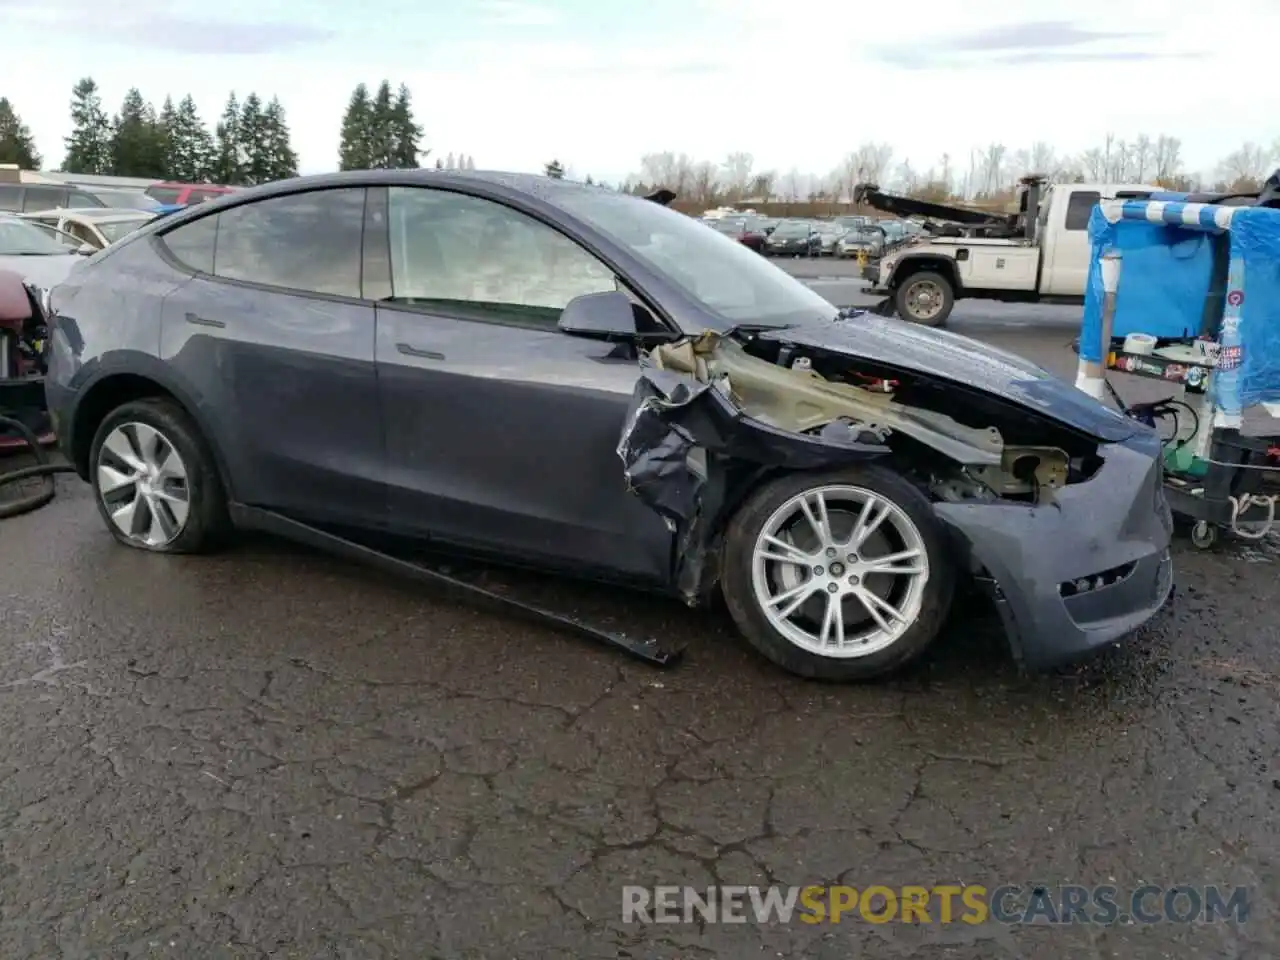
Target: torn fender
[{"x": 681, "y": 436}]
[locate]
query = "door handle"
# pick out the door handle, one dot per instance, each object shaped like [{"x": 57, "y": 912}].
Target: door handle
[
  {"x": 200, "y": 321},
  {"x": 411, "y": 351}
]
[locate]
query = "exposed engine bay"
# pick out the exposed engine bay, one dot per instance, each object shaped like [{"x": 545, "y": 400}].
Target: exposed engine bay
[{"x": 977, "y": 454}]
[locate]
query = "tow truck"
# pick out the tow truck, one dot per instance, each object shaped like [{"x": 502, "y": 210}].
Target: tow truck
[{"x": 1040, "y": 254}]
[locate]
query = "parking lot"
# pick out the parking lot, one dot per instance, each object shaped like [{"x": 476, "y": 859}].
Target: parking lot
[{"x": 269, "y": 753}]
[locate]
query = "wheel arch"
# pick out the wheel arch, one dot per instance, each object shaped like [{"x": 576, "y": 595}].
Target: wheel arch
[
  {"x": 112, "y": 389},
  {"x": 933, "y": 263}
]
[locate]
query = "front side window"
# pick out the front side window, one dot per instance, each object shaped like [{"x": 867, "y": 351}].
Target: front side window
[
  {"x": 450, "y": 250},
  {"x": 78, "y": 200},
  {"x": 303, "y": 241},
  {"x": 21, "y": 239}
]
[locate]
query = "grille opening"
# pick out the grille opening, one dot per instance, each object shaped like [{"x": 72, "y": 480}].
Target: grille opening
[{"x": 1095, "y": 581}]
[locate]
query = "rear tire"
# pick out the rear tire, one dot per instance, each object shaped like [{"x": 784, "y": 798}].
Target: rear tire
[
  {"x": 815, "y": 618},
  {"x": 926, "y": 298},
  {"x": 155, "y": 480}
]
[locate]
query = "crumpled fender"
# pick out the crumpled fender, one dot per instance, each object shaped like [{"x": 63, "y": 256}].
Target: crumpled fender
[{"x": 680, "y": 438}]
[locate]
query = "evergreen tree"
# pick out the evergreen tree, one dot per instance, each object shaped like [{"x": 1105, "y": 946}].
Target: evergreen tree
[
  {"x": 89, "y": 145},
  {"x": 137, "y": 142},
  {"x": 382, "y": 144},
  {"x": 281, "y": 162},
  {"x": 16, "y": 143},
  {"x": 554, "y": 170},
  {"x": 354, "y": 145},
  {"x": 254, "y": 148},
  {"x": 191, "y": 150},
  {"x": 439, "y": 164},
  {"x": 448, "y": 163},
  {"x": 228, "y": 162},
  {"x": 165, "y": 124},
  {"x": 406, "y": 135}
]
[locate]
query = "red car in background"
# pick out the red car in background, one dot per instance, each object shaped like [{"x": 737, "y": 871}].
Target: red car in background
[
  {"x": 749, "y": 231},
  {"x": 186, "y": 193}
]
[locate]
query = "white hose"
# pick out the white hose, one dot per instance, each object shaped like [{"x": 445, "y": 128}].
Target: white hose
[{"x": 1242, "y": 504}]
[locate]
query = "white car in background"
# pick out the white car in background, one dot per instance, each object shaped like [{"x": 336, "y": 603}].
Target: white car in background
[
  {"x": 34, "y": 254},
  {"x": 97, "y": 227}
]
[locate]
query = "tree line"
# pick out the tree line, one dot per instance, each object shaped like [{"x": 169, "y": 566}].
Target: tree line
[{"x": 988, "y": 174}]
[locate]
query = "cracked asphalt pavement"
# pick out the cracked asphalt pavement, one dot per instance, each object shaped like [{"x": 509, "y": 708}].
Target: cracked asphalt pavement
[{"x": 271, "y": 753}]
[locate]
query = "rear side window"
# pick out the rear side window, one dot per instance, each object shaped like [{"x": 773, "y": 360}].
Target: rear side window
[
  {"x": 44, "y": 198},
  {"x": 81, "y": 200},
  {"x": 306, "y": 241},
  {"x": 10, "y": 196},
  {"x": 1080, "y": 207},
  {"x": 193, "y": 244},
  {"x": 164, "y": 194}
]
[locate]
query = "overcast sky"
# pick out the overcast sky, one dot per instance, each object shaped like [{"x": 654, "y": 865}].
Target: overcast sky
[{"x": 794, "y": 82}]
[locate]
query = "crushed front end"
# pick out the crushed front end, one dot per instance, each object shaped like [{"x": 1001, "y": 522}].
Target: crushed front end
[{"x": 1060, "y": 516}]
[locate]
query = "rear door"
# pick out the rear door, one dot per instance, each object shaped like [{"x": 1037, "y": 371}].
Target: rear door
[
  {"x": 501, "y": 431},
  {"x": 273, "y": 337}
]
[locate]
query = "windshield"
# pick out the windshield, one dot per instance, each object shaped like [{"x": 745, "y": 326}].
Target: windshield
[
  {"x": 792, "y": 229},
  {"x": 18, "y": 239},
  {"x": 118, "y": 229},
  {"x": 727, "y": 278}
]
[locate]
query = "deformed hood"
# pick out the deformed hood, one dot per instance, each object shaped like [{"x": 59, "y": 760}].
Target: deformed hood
[{"x": 963, "y": 361}]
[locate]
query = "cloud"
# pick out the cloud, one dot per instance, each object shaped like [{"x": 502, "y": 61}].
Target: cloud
[
  {"x": 518, "y": 13},
  {"x": 1033, "y": 35},
  {"x": 1033, "y": 43},
  {"x": 152, "y": 24}
]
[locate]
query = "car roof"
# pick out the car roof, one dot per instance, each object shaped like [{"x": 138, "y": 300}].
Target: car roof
[{"x": 103, "y": 214}]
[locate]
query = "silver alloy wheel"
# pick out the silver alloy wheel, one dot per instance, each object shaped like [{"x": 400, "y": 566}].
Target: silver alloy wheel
[
  {"x": 143, "y": 484},
  {"x": 840, "y": 571},
  {"x": 924, "y": 300}
]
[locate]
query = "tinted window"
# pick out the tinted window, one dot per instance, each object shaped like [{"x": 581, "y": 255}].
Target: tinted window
[
  {"x": 10, "y": 196},
  {"x": 44, "y": 198},
  {"x": 451, "y": 249},
  {"x": 307, "y": 241},
  {"x": 1079, "y": 207},
  {"x": 164, "y": 194},
  {"x": 200, "y": 196},
  {"x": 84, "y": 200},
  {"x": 192, "y": 244}
]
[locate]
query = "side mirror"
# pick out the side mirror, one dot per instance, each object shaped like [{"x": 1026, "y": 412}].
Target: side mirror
[
  {"x": 600, "y": 316},
  {"x": 86, "y": 249}
]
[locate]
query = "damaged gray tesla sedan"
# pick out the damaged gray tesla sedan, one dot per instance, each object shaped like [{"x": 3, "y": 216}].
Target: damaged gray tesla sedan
[{"x": 551, "y": 374}]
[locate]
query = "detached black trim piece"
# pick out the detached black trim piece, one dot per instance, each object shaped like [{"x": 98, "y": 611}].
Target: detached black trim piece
[{"x": 648, "y": 650}]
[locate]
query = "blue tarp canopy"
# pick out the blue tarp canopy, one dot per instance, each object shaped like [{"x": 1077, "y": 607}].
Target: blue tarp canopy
[{"x": 1167, "y": 255}]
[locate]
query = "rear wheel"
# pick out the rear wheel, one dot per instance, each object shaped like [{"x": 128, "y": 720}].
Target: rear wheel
[
  {"x": 925, "y": 298},
  {"x": 838, "y": 576}
]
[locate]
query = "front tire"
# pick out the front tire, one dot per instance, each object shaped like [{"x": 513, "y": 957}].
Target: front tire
[
  {"x": 926, "y": 298},
  {"x": 838, "y": 576},
  {"x": 155, "y": 480}
]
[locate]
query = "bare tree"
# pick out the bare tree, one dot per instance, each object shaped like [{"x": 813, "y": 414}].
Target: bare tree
[
  {"x": 1141, "y": 155},
  {"x": 791, "y": 187},
  {"x": 762, "y": 186},
  {"x": 667, "y": 169},
  {"x": 1246, "y": 167},
  {"x": 871, "y": 161},
  {"x": 906, "y": 179},
  {"x": 992, "y": 168},
  {"x": 737, "y": 174},
  {"x": 1167, "y": 158},
  {"x": 704, "y": 178},
  {"x": 1094, "y": 162}
]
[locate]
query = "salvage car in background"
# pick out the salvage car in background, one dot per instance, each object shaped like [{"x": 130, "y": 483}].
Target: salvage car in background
[
  {"x": 861, "y": 242},
  {"x": 96, "y": 228},
  {"x": 613, "y": 391},
  {"x": 829, "y": 235},
  {"x": 37, "y": 255},
  {"x": 742, "y": 229},
  {"x": 793, "y": 238}
]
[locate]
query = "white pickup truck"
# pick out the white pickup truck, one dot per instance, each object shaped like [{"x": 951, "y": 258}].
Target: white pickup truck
[{"x": 1040, "y": 254}]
